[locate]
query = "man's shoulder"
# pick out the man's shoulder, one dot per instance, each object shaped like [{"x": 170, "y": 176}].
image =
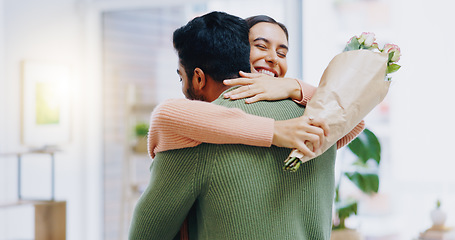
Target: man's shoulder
[
  {"x": 188, "y": 157},
  {"x": 278, "y": 110}
]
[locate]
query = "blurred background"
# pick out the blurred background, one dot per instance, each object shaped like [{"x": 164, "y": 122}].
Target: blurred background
[{"x": 104, "y": 64}]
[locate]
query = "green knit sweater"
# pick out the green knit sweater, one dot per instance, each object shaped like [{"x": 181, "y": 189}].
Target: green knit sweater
[{"x": 237, "y": 191}]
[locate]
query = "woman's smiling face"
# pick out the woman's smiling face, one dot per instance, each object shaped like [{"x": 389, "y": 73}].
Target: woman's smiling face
[{"x": 269, "y": 47}]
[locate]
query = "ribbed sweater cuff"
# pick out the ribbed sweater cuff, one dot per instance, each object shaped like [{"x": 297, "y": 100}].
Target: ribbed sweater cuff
[
  {"x": 307, "y": 92},
  {"x": 351, "y": 135}
]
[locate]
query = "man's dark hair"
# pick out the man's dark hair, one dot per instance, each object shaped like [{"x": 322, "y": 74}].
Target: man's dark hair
[
  {"x": 217, "y": 43},
  {"x": 251, "y": 21}
]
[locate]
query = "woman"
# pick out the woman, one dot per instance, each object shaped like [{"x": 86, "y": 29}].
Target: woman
[{"x": 269, "y": 47}]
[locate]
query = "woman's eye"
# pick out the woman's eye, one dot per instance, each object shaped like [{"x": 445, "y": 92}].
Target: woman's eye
[
  {"x": 261, "y": 46},
  {"x": 281, "y": 54}
]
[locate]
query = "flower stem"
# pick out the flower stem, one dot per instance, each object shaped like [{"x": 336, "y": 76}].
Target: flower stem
[{"x": 292, "y": 164}]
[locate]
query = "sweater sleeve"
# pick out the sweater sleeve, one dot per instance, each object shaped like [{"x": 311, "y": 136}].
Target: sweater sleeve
[
  {"x": 351, "y": 135},
  {"x": 307, "y": 92},
  {"x": 182, "y": 123}
]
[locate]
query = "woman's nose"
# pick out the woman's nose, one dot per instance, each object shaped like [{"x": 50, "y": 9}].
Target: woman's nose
[{"x": 272, "y": 58}]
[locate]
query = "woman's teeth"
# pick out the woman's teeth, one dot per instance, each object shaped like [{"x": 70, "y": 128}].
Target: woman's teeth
[{"x": 267, "y": 72}]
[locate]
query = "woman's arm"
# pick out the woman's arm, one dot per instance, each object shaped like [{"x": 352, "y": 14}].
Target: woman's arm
[
  {"x": 351, "y": 135},
  {"x": 257, "y": 87},
  {"x": 181, "y": 123},
  {"x": 177, "y": 124}
]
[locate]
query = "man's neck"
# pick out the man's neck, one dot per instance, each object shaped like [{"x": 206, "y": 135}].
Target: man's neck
[
  {"x": 213, "y": 90},
  {"x": 216, "y": 92}
]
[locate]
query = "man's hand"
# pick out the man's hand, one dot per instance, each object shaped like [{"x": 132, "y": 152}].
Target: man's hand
[{"x": 297, "y": 132}]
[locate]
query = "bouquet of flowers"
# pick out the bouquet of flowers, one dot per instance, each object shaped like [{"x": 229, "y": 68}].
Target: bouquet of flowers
[{"x": 353, "y": 83}]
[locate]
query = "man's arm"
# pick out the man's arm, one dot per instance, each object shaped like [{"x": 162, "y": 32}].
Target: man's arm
[{"x": 167, "y": 199}]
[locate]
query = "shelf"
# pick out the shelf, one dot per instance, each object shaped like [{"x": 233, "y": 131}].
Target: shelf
[
  {"x": 136, "y": 161},
  {"x": 23, "y": 202},
  {"x": 18, "y": 154},
  {"x": 50, "y": 217},
  {"x": 142, "y": 108},
  {"x": 44, "y": 150}
]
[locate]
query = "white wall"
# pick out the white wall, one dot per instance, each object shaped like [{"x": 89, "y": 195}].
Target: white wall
[
  {"x": 426, "y": 92},
  {"x": 53, "y": 31},
  {"x": 420, "y": 166},
  {"x": 3, "y": 164},
  {"x": 422, "y": 113},
  {"x": 3, "y": 85}
]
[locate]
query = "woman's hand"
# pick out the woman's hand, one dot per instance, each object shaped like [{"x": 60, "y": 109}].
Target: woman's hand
[
  {"x": 259, "y": 86},
  {"x": 297, "y": 132}
]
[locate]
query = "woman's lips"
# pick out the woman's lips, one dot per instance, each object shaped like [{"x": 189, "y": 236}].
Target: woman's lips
[{"x": 269, "y": 72}]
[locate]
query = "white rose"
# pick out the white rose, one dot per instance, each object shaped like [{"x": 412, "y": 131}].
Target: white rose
[
  {"x": 367, "y": 38},
  {"x": 392, "y": 48}
]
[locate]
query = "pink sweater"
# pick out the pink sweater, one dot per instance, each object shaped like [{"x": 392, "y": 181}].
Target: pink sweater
[{"x": 182, "y": 123}]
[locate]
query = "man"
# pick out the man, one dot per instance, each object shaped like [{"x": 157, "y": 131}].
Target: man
[{"x": 233, "y": 191}]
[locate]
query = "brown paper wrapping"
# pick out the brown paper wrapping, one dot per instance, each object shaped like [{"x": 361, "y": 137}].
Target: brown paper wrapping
[{"x": 352, "y": 85}]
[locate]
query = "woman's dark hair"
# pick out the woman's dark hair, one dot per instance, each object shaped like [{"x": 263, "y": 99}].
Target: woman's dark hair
[
  {"x": 216, "y": 42},
  {"x": 251, "y": 21}
]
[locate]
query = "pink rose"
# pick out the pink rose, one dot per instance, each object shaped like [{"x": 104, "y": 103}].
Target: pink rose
[{"x": 392, "y": 48}]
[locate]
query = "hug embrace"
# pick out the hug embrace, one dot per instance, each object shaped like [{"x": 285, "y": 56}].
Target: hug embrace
[{"x": 218, "y": 158}]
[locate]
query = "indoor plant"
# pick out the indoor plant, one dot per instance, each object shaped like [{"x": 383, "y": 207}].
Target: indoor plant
[
  {"x": 141, "y": 130},
  {"x": 363, "y": 173}
]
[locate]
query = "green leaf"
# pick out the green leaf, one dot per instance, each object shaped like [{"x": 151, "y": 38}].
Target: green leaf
[
  {"x": 390, "y": 56},
  {"x": 359, "y": 163},
  {"x": 352, "y": 45},
  {"x": 366, "y": 146},
  {"x": 373, "y": 145},
  {"x": 346, "y": 208},
  {"x": 357, "y": 146},
  {"x": 365, "y": 47},
  {"x": 367, "y": 182},
  {"x": 393, "y": 68},
  {"x": 141, "y": 129}
]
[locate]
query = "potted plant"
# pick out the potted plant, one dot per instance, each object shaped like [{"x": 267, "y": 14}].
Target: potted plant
[
  {"x": 363, "y": 173},
  {"x": 141, "y": 130},
  {"x": 438, "y": 216}
]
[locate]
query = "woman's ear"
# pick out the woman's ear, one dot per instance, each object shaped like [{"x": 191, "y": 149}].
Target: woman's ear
[{"x": 199, "y": 79}]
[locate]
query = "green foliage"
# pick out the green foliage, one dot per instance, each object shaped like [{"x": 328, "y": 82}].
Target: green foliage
[
  {"x": 390, "y": 56},
  {"x": 367, "y": 182},
  {"x": 352, "y": 45},
  {"x": 393, "y": 68},
  {"x": 141, "y": 129},
  {"x": 365, "y": 147},
  {"x": 345, "y": 208}
]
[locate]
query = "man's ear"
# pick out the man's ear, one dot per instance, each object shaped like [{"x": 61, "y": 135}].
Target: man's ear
[{"x": 199, "y": 79}]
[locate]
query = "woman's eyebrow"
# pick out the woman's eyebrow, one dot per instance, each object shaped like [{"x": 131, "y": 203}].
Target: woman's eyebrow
[
  {"x": 267, "y": 41},
  {"x": 261, "y": 39}
]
